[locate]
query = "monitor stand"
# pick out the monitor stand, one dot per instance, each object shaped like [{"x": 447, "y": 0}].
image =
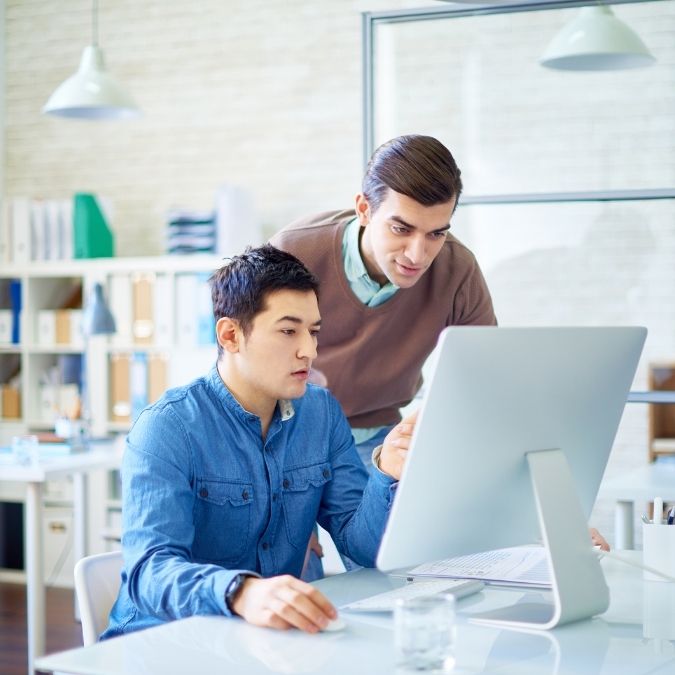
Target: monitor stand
[{"x": 578, "y": 585}]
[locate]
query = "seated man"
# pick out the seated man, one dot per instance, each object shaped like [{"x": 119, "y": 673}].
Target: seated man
[{"x": 224, "y": 478}]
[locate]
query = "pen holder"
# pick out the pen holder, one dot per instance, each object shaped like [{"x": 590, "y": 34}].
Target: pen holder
[{"x": 658, "y": 550}]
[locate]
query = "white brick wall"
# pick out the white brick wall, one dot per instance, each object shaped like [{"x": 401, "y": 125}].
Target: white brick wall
[{"x": 263, "y": 94}]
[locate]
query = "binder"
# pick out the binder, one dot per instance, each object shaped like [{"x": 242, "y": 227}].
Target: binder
[
  {"x": 206, "y": 325},
  {"x": 138, "y": 382},
  {"x": 62, "y": 330},
  {"x": 11, "y": 402},
  {"x": 5, "y": 232},
  {"x": 39, "y": 243},
  {"x": 46, "y": 327},
  {"x": 21, "y": 230},
  {"x": 120, "y": 307},
  {"x": 157, "y": 376},
  {"x": 142, "y": 292},
  {"x": 162, "y": 307},
  {"x": 15, "y": 301},
  {"x": 6, "y": 322},
  {"x": 186, "y": 310},
  {"x": 120, "y": 391}
]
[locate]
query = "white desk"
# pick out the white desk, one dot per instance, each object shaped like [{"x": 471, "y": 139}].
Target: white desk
[
  {"x": 77, "y": 465},
  {"x": 641, "y": 484},
  {"x": 632, "y": 637}
]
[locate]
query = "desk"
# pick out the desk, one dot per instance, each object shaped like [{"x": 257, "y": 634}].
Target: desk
[
  {"x": 643, "y": 483},
  {"x": 102, "y": 455},
  {"x": 632, "y": 637}
]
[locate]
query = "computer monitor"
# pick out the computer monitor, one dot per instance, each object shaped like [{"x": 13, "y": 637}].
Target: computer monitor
[{"x": 515, "y": 429}]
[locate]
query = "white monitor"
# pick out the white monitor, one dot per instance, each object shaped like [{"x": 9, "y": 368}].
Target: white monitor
[{"x": 510, "y": 446}]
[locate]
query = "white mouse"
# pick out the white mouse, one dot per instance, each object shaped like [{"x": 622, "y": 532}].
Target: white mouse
[{"x": 335, "y": 624}]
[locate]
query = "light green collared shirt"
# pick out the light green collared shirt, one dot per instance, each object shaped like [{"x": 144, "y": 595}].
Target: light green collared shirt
[{"x": 369, "y": 292}]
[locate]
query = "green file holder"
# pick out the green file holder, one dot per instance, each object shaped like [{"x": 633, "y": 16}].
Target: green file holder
[{"x": 92, "y": 237}]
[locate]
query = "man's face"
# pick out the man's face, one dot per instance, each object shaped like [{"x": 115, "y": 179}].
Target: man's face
[
  {"x": 402, "y": 238},
  {"x": 278, "y": 352}
]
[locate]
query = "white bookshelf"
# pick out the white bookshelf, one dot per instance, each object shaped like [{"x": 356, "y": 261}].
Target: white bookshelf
[{"x": 45, "y": 285}]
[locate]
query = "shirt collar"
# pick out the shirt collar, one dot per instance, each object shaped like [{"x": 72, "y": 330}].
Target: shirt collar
[
  {"x": 367, "y": 290},
  {"x": 285, "y": 408}
]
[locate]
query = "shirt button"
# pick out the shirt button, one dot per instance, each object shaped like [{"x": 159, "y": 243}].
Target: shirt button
[
  {"x": 203, "y": 492},
  {"x": 244, "y": 495},
  {"x": 286, "y": 483},
  {"x": 326, "y": 473},
  {"x": 265, "y": 546},
  {"x": 274, "y": 497}
]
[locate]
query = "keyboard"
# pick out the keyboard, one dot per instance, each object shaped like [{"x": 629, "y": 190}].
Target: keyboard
[{"x": 385, "y": 602}]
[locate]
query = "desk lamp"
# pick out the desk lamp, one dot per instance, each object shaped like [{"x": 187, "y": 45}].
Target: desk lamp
[{"x": 97, "y": 319}]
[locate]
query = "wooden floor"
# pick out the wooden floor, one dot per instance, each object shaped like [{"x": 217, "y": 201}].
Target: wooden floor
[{"x": 63, "y": 632}]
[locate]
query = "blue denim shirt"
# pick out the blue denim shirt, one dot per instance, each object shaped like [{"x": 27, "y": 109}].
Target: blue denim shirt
[{"x": 204, "y": 498}]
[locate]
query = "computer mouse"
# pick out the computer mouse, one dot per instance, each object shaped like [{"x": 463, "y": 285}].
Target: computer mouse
[{"x": 335, "y": 624}]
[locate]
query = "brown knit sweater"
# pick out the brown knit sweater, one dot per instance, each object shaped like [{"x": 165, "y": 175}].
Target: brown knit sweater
[{"x": 373, "y": 356}]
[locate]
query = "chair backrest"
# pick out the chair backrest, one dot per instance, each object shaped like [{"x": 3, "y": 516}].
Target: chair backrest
[{"x": 97, "y": 583}]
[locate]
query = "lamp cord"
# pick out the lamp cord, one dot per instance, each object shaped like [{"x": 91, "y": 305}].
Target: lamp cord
[
  {"x": 94, "y": 22},
  {"x": 633, "y": 563}
]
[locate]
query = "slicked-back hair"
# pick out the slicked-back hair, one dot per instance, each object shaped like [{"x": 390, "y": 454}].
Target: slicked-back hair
[
  {"x": 240, "y": 288},
  {"x": 419, "y": 167}
]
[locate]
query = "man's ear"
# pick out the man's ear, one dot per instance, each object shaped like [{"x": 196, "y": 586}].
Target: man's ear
[
  {"x": 362, "y": 209},
  {"x": 228, "y": 334}
]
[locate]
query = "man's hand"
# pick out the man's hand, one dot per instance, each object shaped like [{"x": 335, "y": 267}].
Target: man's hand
[
  {"x": 599, "y": 540},
  {"x": 395, "y": 446},
  {"x": 283, "y": 602}
]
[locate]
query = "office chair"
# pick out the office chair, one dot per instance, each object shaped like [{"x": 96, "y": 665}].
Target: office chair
[{"x": 97, "y": 582}]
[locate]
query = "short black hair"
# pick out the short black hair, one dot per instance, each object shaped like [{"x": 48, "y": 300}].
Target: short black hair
[
  {"x": 419, "y": 167},
  {"x": 239, "y": 289}
]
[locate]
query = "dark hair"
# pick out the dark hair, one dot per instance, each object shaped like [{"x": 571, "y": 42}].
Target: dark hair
[
  {"x": 240, "y": 288},
  {"x": 419, "y": 167}
]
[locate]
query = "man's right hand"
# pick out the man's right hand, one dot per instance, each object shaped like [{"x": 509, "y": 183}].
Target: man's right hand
[{"x": 283, "y": 602}]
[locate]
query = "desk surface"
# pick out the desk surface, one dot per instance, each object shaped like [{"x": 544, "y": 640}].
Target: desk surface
[
  {"x": 634, "y": 636},
  {"x": 100, "y": 455}
]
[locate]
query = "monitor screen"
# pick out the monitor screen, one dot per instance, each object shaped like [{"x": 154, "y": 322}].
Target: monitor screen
[{"x": 495, "y": 395}]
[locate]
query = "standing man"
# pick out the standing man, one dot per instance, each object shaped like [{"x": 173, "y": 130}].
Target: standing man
[
  {"x": 224, "y": 478},
  {"x": 392, "y": 277}
]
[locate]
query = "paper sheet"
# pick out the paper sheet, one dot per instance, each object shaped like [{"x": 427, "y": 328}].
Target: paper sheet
[{"x": 520, "y": 565}]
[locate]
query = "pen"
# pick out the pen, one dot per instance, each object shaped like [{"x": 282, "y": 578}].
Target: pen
[
  {"x": 671, "y": 515},
  {"x": 658, "y": 511}
]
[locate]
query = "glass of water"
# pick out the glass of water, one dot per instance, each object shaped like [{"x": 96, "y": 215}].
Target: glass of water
[
  {"x": 425, "y": 633},
  {"x": 25, "y": 449}
]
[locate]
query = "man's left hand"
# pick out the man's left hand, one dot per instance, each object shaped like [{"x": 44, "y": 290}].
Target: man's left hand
[{"x": 395, "y": 446}]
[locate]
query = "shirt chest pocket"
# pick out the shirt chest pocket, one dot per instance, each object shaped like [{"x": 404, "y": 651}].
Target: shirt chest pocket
[
  {"x": 302, "y": 489},
  {"x": 222, "y": 521}
]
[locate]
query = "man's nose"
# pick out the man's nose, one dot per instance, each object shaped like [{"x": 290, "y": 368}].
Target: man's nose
[
  {"x": 416, "y": 250},
  {"x": 307, "y": 348}
]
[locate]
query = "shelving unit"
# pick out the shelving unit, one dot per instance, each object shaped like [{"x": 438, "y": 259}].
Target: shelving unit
[
  {"x": 163, "y": 316},
  {"x": 661, "y": 416}
]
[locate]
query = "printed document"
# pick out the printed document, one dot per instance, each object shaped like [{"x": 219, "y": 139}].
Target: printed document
[{"x": 519, "y": 565}]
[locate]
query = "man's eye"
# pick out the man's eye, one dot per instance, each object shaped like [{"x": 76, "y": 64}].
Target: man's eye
[
  {"x": 314, "y": 333},
  {"x": 288, "y": 331},
  {"x": 439, "y": 235},
  {"x": 398, "y": 229}
]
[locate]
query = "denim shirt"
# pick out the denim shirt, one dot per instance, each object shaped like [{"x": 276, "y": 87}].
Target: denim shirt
[{"x": 204, "y": 498}]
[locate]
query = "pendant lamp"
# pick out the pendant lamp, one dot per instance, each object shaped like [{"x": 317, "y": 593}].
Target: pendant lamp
[
  {"x": 596, "y": 40},
  {"x": 91, "y": 93}
]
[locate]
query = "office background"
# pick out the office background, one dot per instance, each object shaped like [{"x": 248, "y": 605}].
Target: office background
[{"x": 268, "y": 96}]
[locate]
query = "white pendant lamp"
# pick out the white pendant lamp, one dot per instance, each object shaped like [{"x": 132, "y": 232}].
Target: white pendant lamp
[
  {"x": 91, "y": 93},
  {"x": 596, "y": 40}
]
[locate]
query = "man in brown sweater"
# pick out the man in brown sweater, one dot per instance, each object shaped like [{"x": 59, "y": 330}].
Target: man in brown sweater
[{"x": 392, "y": 277}]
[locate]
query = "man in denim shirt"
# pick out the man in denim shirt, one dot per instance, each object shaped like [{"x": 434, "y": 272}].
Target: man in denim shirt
[{"x": 223, "y": 479}]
